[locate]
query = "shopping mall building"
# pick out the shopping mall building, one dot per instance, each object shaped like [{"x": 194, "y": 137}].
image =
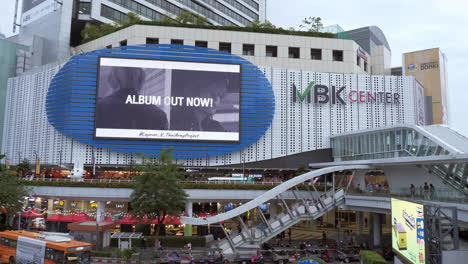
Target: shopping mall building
[{"x": 295, "y": 92}]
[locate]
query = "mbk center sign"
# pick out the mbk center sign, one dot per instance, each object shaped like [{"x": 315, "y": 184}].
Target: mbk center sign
[{"x": 323, "y": 94}]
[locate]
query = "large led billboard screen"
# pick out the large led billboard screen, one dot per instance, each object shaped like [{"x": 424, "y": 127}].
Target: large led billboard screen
[
  {"x": 167, "y": 100},
  {"x": 408, "y": 231}
]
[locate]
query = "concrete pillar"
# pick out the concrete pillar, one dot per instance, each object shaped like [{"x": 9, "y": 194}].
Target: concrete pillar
[
  {"x": 100, "y": 211},
  {"x": 359, "y": 222},
  {"x": 376, "y": 233},
  {"x": 188, "y": 211},
  {"x": 50, "y": 205}
]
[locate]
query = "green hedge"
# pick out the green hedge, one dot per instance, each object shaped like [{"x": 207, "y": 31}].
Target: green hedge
[
  {"x": 166, "y": 241},
  {"x": 280, "y": 31},
  {"x": 207, "y": 186},
  {"x": 103, "y": 254},
  {"x": 371, "y": 257}
]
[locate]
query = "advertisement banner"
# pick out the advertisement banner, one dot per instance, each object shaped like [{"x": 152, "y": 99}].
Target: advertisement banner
[
  {"x": 167, "y": 100},
  {"x": 408, "y": 231},
  {"x": 30, "y": 251},
  {"x": 35, "y": 9}
]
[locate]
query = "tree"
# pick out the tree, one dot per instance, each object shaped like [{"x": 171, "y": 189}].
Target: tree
[
  {"x": 156, "y": 193},
  {"x": 264, "y": 25},
  {"x": 11, "y": 192},
  {"x": 23, "y": 167},
  {"x": 312, "y": 24},
  {"x": 187, "y": 17},
  {"x": 301, "y": 169}
]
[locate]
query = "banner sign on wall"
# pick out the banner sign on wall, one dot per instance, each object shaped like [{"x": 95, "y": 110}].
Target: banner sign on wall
[
  {"x": 408, "y": 231},
  {"x": 171, "y": 100},
  {"x": 29, "y": 251}
]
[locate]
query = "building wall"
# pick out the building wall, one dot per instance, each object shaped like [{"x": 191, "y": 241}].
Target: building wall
[
  {"x": 137, "y": 34},
  {"x": 7, "y": 69},
  {"x": 428, "y": 67},
  {"x": 296, "y": 126}
]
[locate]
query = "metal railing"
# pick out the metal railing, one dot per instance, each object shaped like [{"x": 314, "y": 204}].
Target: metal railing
[
  {"x": 439, "y": 195},
  {"x": 240, "y": 182}
]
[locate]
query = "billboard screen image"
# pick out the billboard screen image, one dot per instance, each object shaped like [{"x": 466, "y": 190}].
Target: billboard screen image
[
  {"x": 167, "y": 100},
  {"x": 408, "y": 230}
]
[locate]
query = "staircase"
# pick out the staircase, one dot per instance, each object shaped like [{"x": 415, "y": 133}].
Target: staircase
[
  {"x": 303, "y": 208},
  {"x": 300, "y": 211}
]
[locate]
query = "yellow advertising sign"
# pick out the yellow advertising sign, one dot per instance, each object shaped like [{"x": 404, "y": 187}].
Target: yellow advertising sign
[{"x": 408, "y": 231}]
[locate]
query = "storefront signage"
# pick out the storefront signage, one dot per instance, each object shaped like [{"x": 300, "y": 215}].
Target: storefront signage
[
  {"x": 423, "y": 66},
  {"x": 323, "y": 94}
]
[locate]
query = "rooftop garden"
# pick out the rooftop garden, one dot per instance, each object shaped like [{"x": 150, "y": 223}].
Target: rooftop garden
[{"x": 190, "y": 20}]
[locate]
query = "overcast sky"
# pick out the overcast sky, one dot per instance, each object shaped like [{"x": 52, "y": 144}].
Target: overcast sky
[{"x": 409, "y": 25}]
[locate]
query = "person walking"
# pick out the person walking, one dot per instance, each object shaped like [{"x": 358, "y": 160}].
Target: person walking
[
  {"x": 289, "y": 235},
  {"x": 426, "y": 191},
  {"x": 412, "y": 190},
  {"x": 431, "y": 191}
]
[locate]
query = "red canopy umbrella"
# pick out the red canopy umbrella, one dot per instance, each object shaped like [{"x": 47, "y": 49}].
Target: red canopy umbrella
[
  {"x": 131, "y": 220},
  {"x": 56, "y": 218},
  {"x": 33, "y": 213},
  {"x": 169, "y": 220},
  {"x": 81, "y": 217},
  {"x": 74, "y": 217},
  {"x": 108, "y": 220}
]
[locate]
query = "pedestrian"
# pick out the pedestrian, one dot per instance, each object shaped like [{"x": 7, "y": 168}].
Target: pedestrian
[
  {"x": 426, "y": 191},
  {"x": 365, "y": 221},
  {"x": 324, "y": 236},
  {"x": 289, "y": 235},
  {"x": 431, "y": 191},
  {"x": 369, "y": 187},
  {"x": 412, "y": 190},
  {"x": 359, "y": 188}
]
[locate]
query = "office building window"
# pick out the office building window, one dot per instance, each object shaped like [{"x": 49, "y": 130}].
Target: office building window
[
  {"x": 337, "y": 55},
  {"x": 248, "y": 49},
  {"x": 84, "y": 8},
  {"x": 177, "y": 41},
  {"x": 112, "y": 14},
  {"x": 365, "y": 66},
  {"x": 203, "y": 44},
  {"x": 152, "y": 41},
  {"x": 225, "y": 46},
  {"x": 358, "y": 61},
  {"x": 271, "y": 51},
  {"x": 293, "y": 53},
  {"x": 316, "y": 54},
  {"x": 123, "y": 43}
]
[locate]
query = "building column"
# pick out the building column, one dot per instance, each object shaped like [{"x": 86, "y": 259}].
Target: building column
[
  {"x": 188, "y": 211},
  {"x": 100, "y": 210},
  {"x": 360, "y": 222},
  {"x": 376, "y": 233},
  {"x": 50, "y": 205}
]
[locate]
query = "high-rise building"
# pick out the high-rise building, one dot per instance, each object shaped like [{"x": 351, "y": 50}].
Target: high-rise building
[
  {"x": 51, "y": 26},
  {"x": 428, "y": 67}
]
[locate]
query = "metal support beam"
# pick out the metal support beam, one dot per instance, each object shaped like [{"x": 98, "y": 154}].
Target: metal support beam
[
  {"x": 231, "y": 243},
  {"x": 264, "y": 220}
]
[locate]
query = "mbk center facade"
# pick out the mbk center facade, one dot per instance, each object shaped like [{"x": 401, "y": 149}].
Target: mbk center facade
[{"x": 257, "y": 111}]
